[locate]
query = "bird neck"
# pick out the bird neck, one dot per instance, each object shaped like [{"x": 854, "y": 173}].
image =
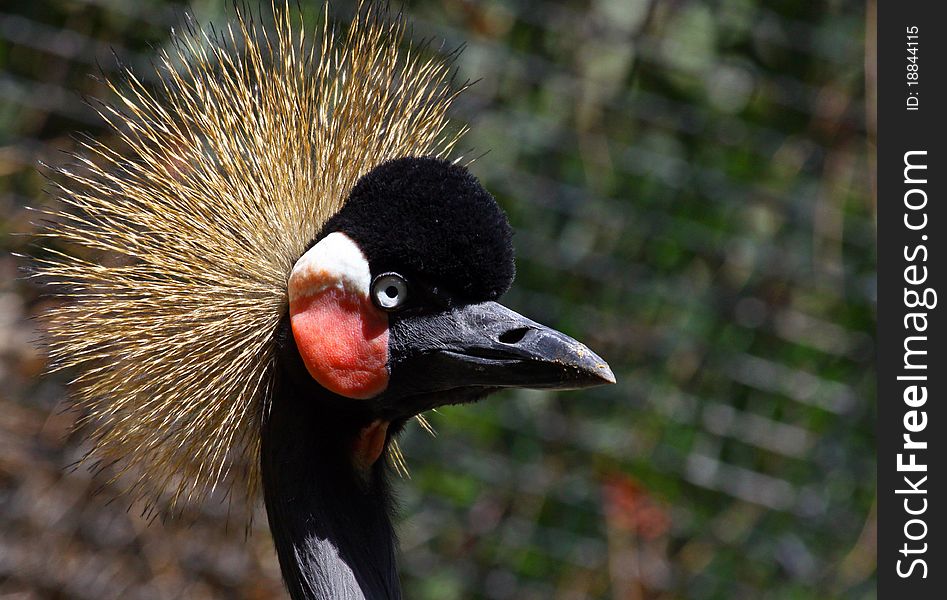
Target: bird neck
[{"x": 330, "y": 519}]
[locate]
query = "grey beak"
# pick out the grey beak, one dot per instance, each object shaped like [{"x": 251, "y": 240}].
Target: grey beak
[{"x": 488, "y": 345}]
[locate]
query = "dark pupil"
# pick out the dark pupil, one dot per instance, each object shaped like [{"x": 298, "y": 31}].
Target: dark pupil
[{"x": 391, "y": 291}]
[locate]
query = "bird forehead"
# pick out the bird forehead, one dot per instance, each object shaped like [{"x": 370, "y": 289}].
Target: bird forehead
[{"x": 336, "y": 261}]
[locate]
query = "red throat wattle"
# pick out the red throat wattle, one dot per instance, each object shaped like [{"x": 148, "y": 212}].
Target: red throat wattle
[{"x": 343, "y": 341}]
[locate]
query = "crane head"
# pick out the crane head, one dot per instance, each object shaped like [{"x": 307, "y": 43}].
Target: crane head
[
  {"x": 263, "y": 171},
  {"x": 395, "y": 303}
]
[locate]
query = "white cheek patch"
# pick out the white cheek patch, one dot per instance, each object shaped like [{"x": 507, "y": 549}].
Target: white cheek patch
[{"x": 336, "y": 261}]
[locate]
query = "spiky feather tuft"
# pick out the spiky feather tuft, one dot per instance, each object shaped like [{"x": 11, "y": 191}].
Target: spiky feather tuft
[{"x": 179, "y": 243}]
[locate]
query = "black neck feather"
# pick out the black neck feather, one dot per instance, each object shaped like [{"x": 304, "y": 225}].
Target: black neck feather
[{"x": 330, "y": 522}]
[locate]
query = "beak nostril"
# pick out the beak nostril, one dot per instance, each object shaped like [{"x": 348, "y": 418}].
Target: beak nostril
[{"x": 513, "y": 335}]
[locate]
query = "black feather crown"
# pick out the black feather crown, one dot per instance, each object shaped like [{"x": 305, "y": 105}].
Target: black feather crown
[{"x": 433, "y": 218}]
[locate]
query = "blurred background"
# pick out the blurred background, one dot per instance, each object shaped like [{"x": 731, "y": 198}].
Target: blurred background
[{"x": 691, "y": 184}]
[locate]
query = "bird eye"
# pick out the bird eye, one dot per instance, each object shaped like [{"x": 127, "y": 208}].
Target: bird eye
[{"x": 389, "y": 291}]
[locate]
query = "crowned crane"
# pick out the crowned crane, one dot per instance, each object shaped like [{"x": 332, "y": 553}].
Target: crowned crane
[{"x": 274, "y": 271}]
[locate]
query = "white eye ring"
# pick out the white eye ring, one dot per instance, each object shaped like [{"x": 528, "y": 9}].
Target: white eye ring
[{"x": 389, "y": 291}]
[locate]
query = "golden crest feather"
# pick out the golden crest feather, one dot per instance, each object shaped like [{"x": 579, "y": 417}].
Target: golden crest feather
[{"x": 175, "y": 240}]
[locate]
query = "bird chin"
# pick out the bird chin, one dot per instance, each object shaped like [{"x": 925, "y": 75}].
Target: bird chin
[{"x": 416, "y": 404}]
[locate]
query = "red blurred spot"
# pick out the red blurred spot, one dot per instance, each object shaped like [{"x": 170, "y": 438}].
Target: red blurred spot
[{"x": 628, "y": 506}]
